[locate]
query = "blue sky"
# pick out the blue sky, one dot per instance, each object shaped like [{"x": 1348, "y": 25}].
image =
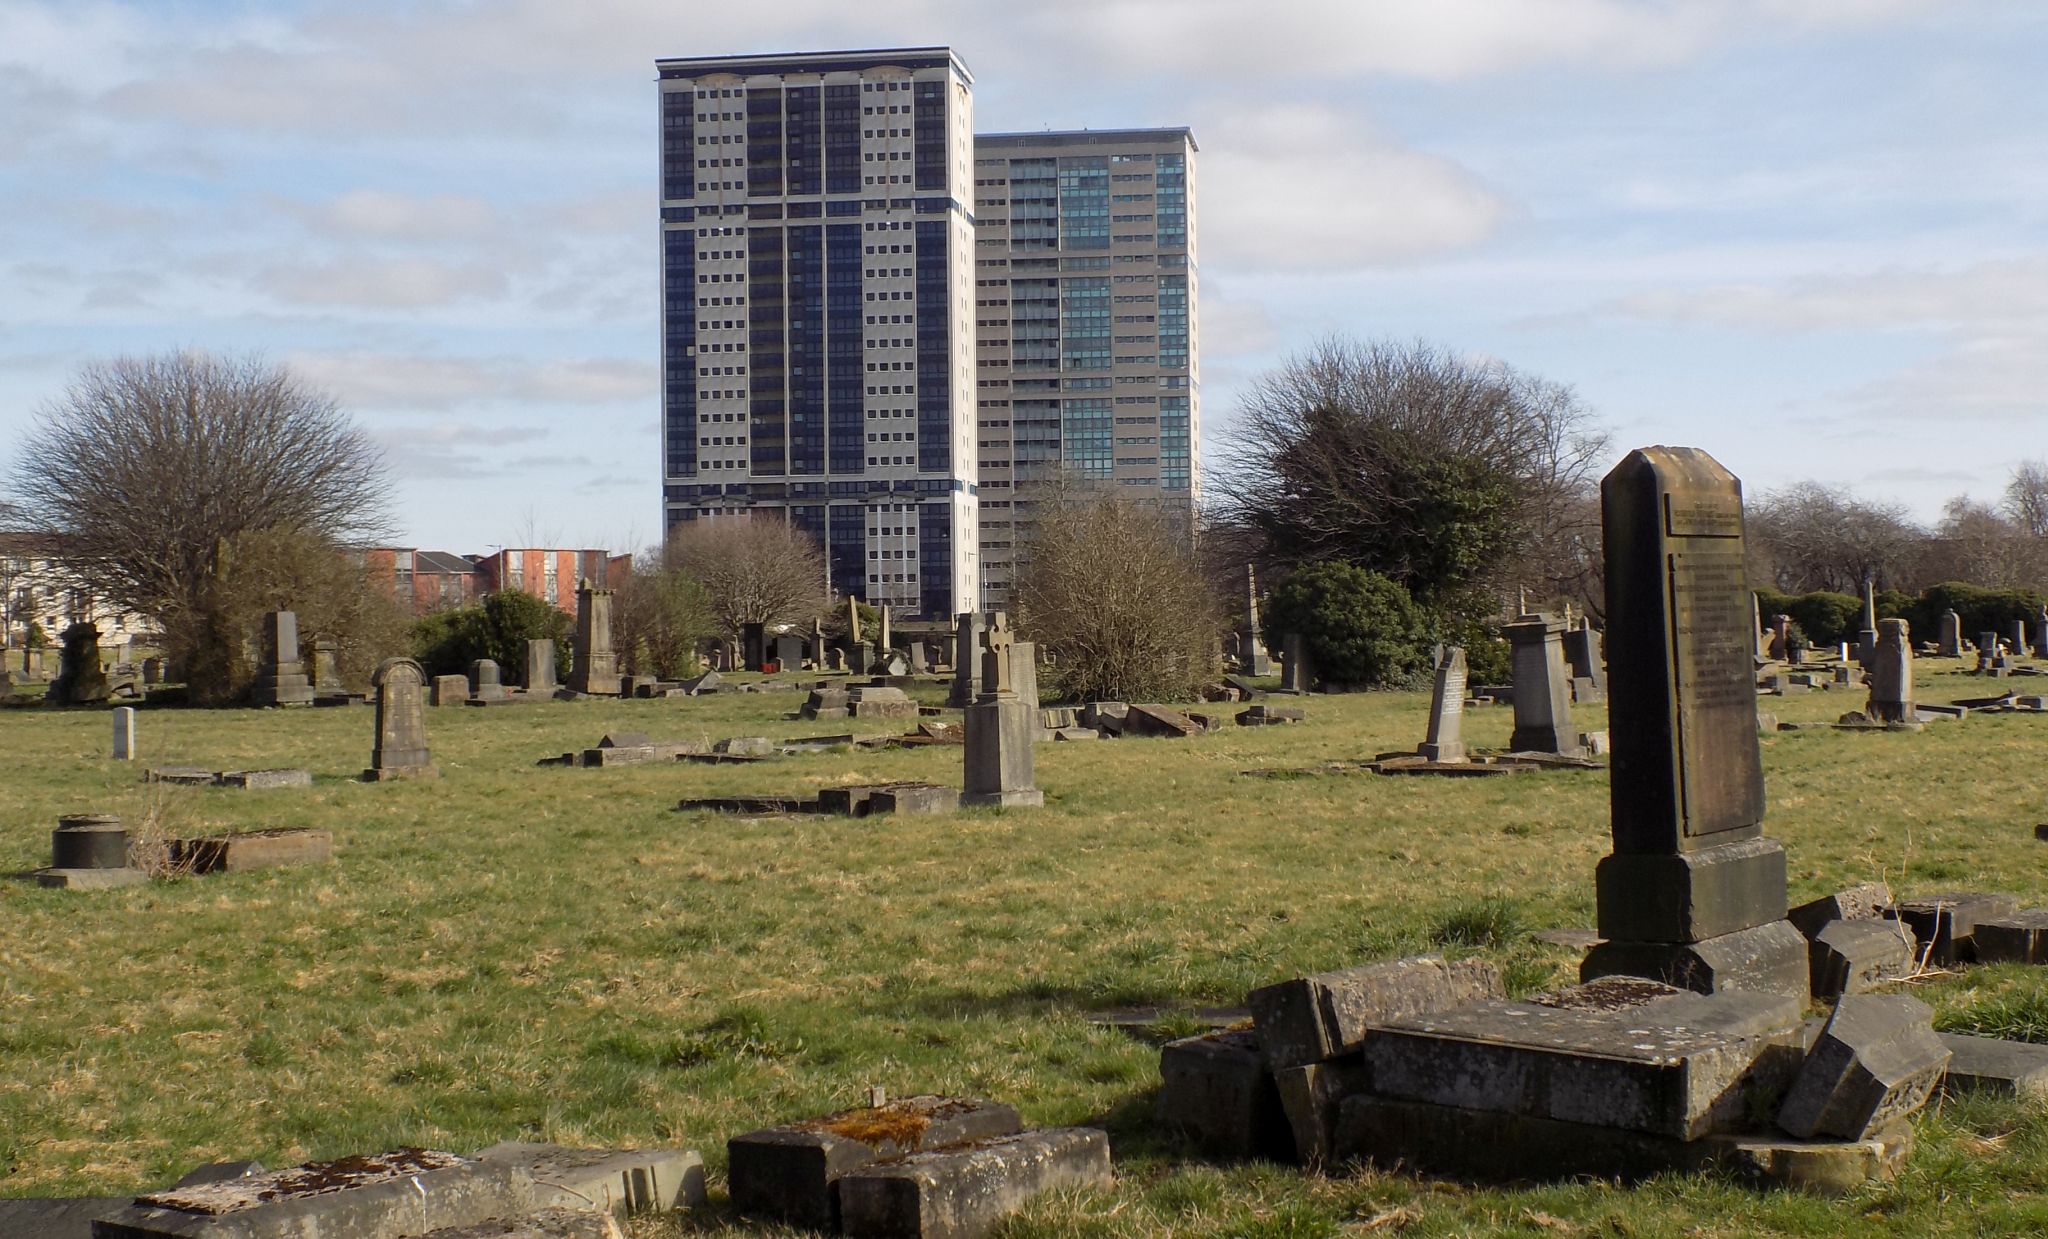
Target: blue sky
[{"x": 1810, "y": 236}]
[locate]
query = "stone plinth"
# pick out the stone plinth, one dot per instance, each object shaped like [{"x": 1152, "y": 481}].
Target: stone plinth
[{"x": 281, "y": 680}]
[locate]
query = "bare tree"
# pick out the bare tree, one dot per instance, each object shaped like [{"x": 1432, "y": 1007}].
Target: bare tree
[
  {"x": 2026, "y": 499},
  {"x": 1113, "y": 591},
  {"x": 152, "y": 467},
  {"x": 661, "y": 613},
  {"x": 1437, "y": 472},
  {"x": 1973, "y": 543},
  {"x": 755, "y": 569},
  {"x": 1820, "y": 537}
]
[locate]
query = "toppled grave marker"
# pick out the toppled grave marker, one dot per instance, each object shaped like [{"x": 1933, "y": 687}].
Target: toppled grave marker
[
  {"x": 1876, "y": 1061},
  {"x": 1990, "y": 1065},
  {"x": 253, "y": 849},
  {"x": 1313, "y": 1018},
  {"x": 1850, "y": 957},
  {"x": 1267, "y": 716},
  {"x": 1945, "y": 925},
  {"x": 962, "y": 1193},
  {"x": 1217, "y": 1090},
  {"x": 2014, "y": 937},
  {"x": 617, "y": 1181}
]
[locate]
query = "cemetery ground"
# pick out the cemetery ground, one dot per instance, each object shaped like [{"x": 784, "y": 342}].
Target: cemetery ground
[{"x": 523, "y": 952}]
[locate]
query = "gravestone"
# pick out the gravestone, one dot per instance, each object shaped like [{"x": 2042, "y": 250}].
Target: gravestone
[
  {"x": 486, "y": 682},
  {"x": 1296, "y": 673},
  {"x": 450, "y": 690},
  {"x": 1756, "y": 623},
  {"x": 1588, "y": 663},
  {"x": 1000, "y": 727},
  {"x": 539, "y": 680},
  {"x": 787, "y": 651},
  {"x": 1447, "y": 709},
  {"x": 753, "y": 646},
  {"x": 920, "y": 663},
  {"x": 817, "y": 651},
  {"x": 835, "y": 659},
  {"x": 152, "y": 670},
  {"x": 2020, "y": 645},
  {"x": 966, "y": 658},
  {"x": 1251, "y": 642},
  {"x": 81, "y": 680},
  {"x": 400, "y": 751},
  {"x": 326, "y": 666},
  {"x": 1951, "y": 634},
  {"x": 1891, "y": 674},
  {"x": 1694, "y": 893},
  {"x": 860, "y": 657},
  {"x": 1543, "y": 692},
  {"x": 1781, "y": 638},
  {"x": 596, "y": 670},
  {"x": 124, "y": 733},
  {"x": 282, "y": 679},
  {"x": 885, "y": 641},
  {"x": 1987, "y": 650},
  {"x": 2041, "y": 633},
  {"x": 1866, "y": 636}
]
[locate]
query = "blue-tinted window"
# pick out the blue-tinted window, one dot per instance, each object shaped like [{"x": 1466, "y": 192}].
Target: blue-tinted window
[
  {"x": 767, "y": 413},
  {"x": 803, "y": 136},
  {"x": 842, "y": 140},
  {"x": 764, "y": 141},
  {"x": 678, "y": 144},
  {"x": 678, "y": 341},
  {"x": 1087, "y": 437},
  {"x": 935, "y": 559},
  {"x": 1176, "y": 462},
  {"x": 934, "y": 348},
  {"x": 1084, "y": 202},
  {"x": 1084, "y": 323},
  {"x": 846, "y": 552},
  {"x": 846, "y": 399},
  {"x": 928, "y": 135},
  {"x": 806, "y": 349}
]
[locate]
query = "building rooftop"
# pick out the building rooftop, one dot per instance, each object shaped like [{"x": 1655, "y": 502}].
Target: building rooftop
[
  {"x": 1168, "y": 134},
  {"x": 442, "y": 561},
  {"x": 813, "y": 62}
]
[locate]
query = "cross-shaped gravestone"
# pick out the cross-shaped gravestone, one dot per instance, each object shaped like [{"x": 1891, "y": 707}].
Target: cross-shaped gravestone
[{"x": 995, "y": 657}]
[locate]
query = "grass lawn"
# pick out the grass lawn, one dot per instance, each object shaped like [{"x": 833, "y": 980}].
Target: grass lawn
[{"x": 545, "y": 953}]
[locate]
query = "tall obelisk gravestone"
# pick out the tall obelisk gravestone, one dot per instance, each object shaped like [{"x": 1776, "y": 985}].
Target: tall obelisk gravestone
[{"x": 1694, "y": 894}]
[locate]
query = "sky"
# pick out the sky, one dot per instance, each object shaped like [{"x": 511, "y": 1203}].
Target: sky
[{"x": 1809, "y": 236}]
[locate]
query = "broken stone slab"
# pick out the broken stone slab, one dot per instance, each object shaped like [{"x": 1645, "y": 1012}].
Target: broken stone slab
[
  {"x": 1770, "y": 958},
  {"x": 1946, "y": 924},
  {"x": 1266, "y": 716},
  {"x": 706, "y": 683},
  {"x": 792, "y": 1172},
  {"x": 1075, "y": 733},
  {"x": 253, "y": 849},
  {"x": 1514, "y": 1147},
  {"x": 1995, "y": 1066},
  {"x": 265, "y": 778},
  {"x": 540, "y": 1224},
  {"x": 1875, "y": 1063},
  {"x": 1145, "y": 720},
  {"x": 1313, "y": 1018},
  {"x": 385, "y": 1196},
  {"x": 962, "y": 1193},
  {"x": 619, "y": 1181},
  {"x": 1866, "y": 901},
  {"x": 57, "y": 1217},
  {"x": 186, "y": 776},
  {"x": 1310, "y": 1096},
  {"x": 1215, "y": 1088},
  {"x": 2015, "y": 938},
  {"x": 873, "y": 799},
  {"x": 745, "y": 746},
  {"x": 1669, "y": 1064},
  {"x": 1850, "y": 957}
]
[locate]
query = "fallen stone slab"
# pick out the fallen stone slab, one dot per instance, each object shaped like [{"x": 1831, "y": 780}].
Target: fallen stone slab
[
  {"x": 1145, "y": 720},
  {"x": 1492, "y": 1146},
  {"x": 1946, "y": 924},
  {"x": 792, "y": 1172},
  {"x": 1075, "y": 733},
  {"x": 90, "y": 879},
  {"x": 874, "y": 799},
  {"x": 1850, "y": 957},
  {"x": 1216, "y": 1090},
  {"x": 57, "y": 1217},
  {"x": 1475, "y": 767},
  {"x": 1313, "y": 1018},
  {"x": 1866, "y": 901},
  {"x": 1876, "y": 1062},
  {"x": 748, "y": 804},
  {"x": 1267, "y": 716},
  {"x": 2015, "y": 938},
  {"x": 253, "y": 849},
  {"x": 1310, "y": 1097},
  {"x": 1995, "y": 1066},
  {"x": 1672, "y": 1064},
  {"x": 219, "y": 1172},
  {"x": 619, "y": 1181},
  {"x": 186, "y": 776},
  {"x": 385, "y": 1196},
  {"x": 963, "y": 1193},
  {"x": 540, "y": 1224}
]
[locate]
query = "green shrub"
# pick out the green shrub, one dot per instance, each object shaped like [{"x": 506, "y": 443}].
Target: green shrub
[
  {"x": 1359, "y": 627},
  {"x": 1981, "y": 609},
  {"x": 447, "y": 642}
]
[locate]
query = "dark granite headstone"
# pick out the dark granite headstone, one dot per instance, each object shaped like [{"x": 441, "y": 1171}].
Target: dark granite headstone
[
  {"x": 401, "y": 747},
  {"x": 1694, "y": 894},
  {"x": 81, "y": 680}
]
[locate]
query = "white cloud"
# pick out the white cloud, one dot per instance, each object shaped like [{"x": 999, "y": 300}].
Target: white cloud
[
  {"x": 1308, "y": 188},
  {"x": 401, "y": 217},
  {"x": 393, "y": 283},
  {"x": 371, "y": 380},
  {"x": 2001, "y": 292}
]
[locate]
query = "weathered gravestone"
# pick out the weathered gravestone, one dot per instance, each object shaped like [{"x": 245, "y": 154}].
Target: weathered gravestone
[
  {"x": 1781, "y": 637},
  {"x": 1251, "y": 642},
  {"x": 596, "y": 670},
  {"x": 1297, "y": 675},
  {"x": 1987, "y": 652},
  {"x": 486, "y": 682},
  {"x": 2041, "y": 632},
  {"x": 81, "y": 680},
  {"x": 817, "y": 650},
  {"x": 1543, "y": 691},
  {"x": 326, "y": 666},
  {"x": 1891, "y": 674},
  {"x": 753, "y": 645},
  {"x": 1447, "y": 709},
  {"x": 1694, "y": 894},
  {"x": 787, "y": 651},
  {"x": 1951, "y": 634},
  {"x": 539, "y": 680},
  {"x": 966, "y": 658},
  {"x": 400, "y": 751},
  {"x": 1000, "y": 727},
  {"x": 124, "y": 733},
  {"x": 920, "y": 664},
  {"x": 2019, "y": 639},
  {"x": 1866, "y": 636},
  {"x": 450, "y": 690},
  {"x": 282, "y": 680},
  {"x": 1587, "y": 661}
]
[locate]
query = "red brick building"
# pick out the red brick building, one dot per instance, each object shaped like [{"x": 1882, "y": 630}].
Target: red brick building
[
  {"x": 550, "y": 575},
  {"x": 424, "y": 581}
]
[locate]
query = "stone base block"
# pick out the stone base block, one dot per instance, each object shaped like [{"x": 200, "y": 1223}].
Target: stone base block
[
  {"x": 1311, "y": 1096},
  {"x": 1023, "y": 798},
  {"x": 1216, "y": 1089},
  {"x": 1314, "y": 1018},
  {"x": 1946, "y": 924},
  {"x": 2015, "y": 938},
  {"x": 1989, "y": 1065},
  {"x": 389, "y": 774},
  {"x": 247, "y": 779},
  {"x": 1876, "y": 1061},
  {"x": 1504, "y": 1147},
  {"x": 963, "y": 1193},
  {"x": 90, "y": 879},
  {"x": 1850, "y": 957},
  {"x": 866, "y": 800},
  {"x": 1869, "y": 901},
  {"x": 1668, "y": 1064},
  {"x": 792, "y": 1172},
  {"x": 1769, "y": 958},
  {"x": 619, "y": 1181},
  {"x": 1692, "y": 896},
  {"x": 387, "y": 1196},
  {"x": 541, "y": 1224}
]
